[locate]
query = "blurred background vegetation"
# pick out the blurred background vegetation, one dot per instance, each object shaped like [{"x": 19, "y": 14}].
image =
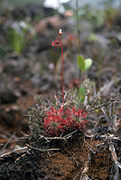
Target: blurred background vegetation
[{"x": 98, "y": 4}]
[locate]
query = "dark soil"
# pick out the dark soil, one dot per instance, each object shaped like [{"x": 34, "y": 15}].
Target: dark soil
[{"x": 72, "y": 161}]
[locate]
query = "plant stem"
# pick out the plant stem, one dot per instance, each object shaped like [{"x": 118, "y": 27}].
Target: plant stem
[
  {"x": 62, "y": 70},
  {"x": 62, "y": 75}
]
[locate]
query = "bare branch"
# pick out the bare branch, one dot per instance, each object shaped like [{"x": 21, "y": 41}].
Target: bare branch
[
  {"x": 42, "y": 150},
  {"x": 113, "y": 101}
]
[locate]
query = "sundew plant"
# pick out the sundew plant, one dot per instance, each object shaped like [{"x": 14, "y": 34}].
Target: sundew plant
[{"x": 60, "y": 117}]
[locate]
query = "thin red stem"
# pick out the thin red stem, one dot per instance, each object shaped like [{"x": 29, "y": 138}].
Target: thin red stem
[
  {"x": 62, "y": 69},
  {"x": 62, "y": 74}
]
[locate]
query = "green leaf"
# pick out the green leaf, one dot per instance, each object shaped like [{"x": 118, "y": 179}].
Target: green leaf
[
  {"x": 81, "y": 63},
  {"x": 82, "y": 93},
  {"x": 82, "y": 90},
  {"x": 88, "y": 63}
]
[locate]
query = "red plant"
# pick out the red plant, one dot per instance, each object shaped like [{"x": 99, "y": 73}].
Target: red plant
[
  {"x": 61, "y": 119},
  {"x": 79, "y": 116},
  {"x": 54, "y": 121}
]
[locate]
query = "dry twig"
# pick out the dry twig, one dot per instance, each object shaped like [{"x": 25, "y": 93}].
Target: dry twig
[
  {"x": 48, "y": 139},
  {"x": 4, "y": 147},
  {"x": 42, "y": 150},
  {"x": 112, "y": 101}
]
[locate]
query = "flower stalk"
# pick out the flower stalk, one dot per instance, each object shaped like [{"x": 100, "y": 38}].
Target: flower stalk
[{"x": 58, "y": 43}]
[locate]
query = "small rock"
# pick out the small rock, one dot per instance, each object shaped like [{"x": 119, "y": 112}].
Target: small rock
[
  {"x": 8, "y": 96},
  {"x": 11, "y": 116}
]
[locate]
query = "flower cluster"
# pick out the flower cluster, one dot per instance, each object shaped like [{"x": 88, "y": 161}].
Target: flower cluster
[
  {"x": 57, "y": 42},
  {"x": 61, "y": 120}
]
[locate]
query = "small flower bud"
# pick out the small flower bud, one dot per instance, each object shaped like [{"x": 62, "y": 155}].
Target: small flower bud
[{"x": 60, "y": 32}]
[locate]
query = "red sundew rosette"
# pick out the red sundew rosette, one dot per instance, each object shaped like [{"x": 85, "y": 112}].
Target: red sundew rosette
[{"x": 59, "y": 120}]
